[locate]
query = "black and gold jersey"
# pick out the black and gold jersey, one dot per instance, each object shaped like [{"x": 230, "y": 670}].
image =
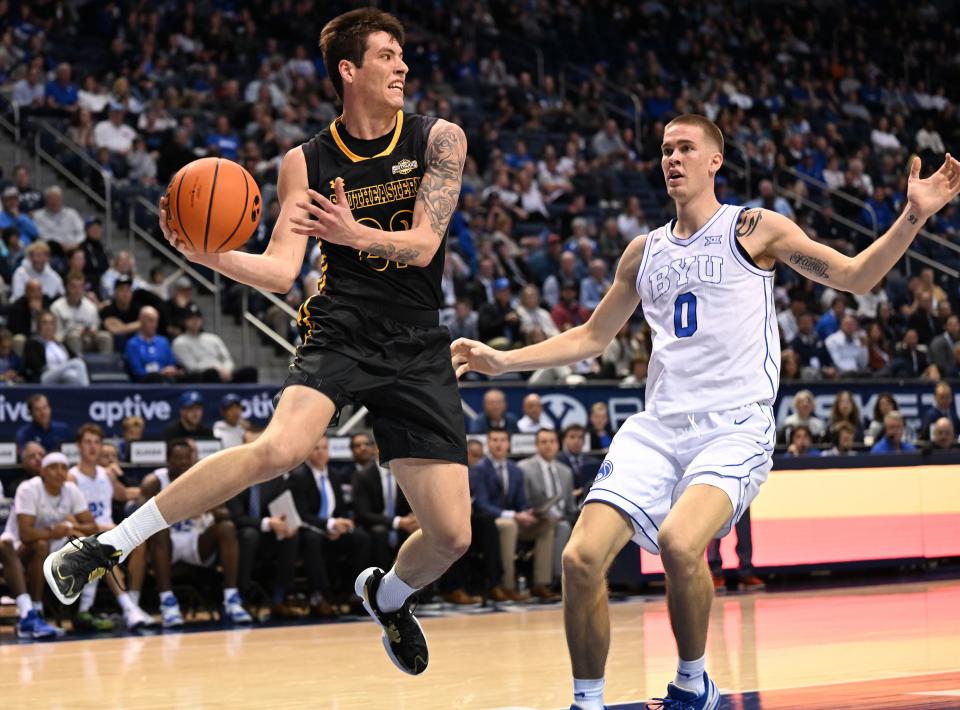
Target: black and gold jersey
[{"x": 381, "y": 181}]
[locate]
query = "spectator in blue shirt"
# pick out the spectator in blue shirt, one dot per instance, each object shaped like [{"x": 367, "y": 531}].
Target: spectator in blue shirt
[
  {"x": 224, "y": 139},
  {"x": 770, "y": 200},
  {"x": 595, "y": 286},
  {"x": 61, "y": 92},
  {"x": 943, "y": 406},
  {"x": 892, "y": 441},
  {"x": 495, "y": 414},
  {"x": 149, "y": 355},
  {"x": 11, "y": 216},
  {"x": 829, "y": 322},
  {"x": 46, "y": 432}
]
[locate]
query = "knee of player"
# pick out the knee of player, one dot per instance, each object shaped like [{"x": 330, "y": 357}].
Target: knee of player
[
  {"x": 454, "y": 540},
  {"x": 680, "y": 552},
  {"x": 581, "y": 564},
  {"x": 276, "y": 457}
]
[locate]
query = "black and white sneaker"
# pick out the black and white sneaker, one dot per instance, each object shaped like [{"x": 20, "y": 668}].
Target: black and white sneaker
[
  {"x": 402, "y": 636},
  {"x": 79, "y": 562}
]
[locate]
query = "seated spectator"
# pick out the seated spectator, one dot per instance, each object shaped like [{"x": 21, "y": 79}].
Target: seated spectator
[
  {"x": 879, "y": 355},
  {"x": 48, "y": 509},
  {"x": 205, "y": 355},
  {"x": 943, "y": 406},
  {"x": 11, "y": 366},
  {"x": 494, "y": 415},
  {"x": 12, "y": 216},
  {"x": 189, "y": 425},
  {"x": 112, "y": 133},
  {"x": 31, "y": 454},
  {"x": 462, "y": 320},
  {"x": 583, "y": 465},
  {"x": 789, "y": 365},
  {"x": 179, "y": 306},
  {"x": 223, "y": 139},
  {"x": 940, "y": 350},
  {"x": 594, "y": 286},
  {"x": 47, "y": 361},
  {"x": 532, "y": 316},
  {"x": 829, "y": 322},
  {"x": 30, "y": 197},
  {"x": 264, "y": 539},
  {"x": 845, "y": 437},
  {"x": 802, "y": 415},
  {"x": 497, "y": 322},
  {"x": 845, "y": 411},
  {"x": 382, "y": 510},
  {"x": 892, "y": 441},
  {"x": 943, "y": 436},
  {"x": 497, "y": 487},
  {"x": 335, "y": 549},
  {"x": 232, "y": 429},
  {"x": 632, "y": 222},
  {"x": 29, "y": 91},
  {"x": 848, "y": 348},
  {"x": 598, "y": 428},
  {"x": 78, "y": 323},
  {"x": 533, "y": 419},
  {"x": 801, "y": 442},
  {"x": 121, "y": 317},
  {"x": 923, "y": 319},
  {"x": 60, "y": 226},
  {"x": 123, "y": 265},
  {"x": 43, "y": 429},
  {"x": 149, "y": 355},
  {"x": 568, "y": 313},
  {"x": 96, "y": 261},
  {"x": 24, "y": 314},
  {"x": 159, "y": 283},
  {"x": 617, "y": 358},
  {"x": 567, "y": 274},
  {"x": 131, "y": 430},
  {"x": 910, "y": 361},
  {"x": 768, "y": 199},
  {"x": 200, "y": 541},
  {"x": 61, "y": 92},
  {"x": 37, "y": 267},
  {"x": 638, "y": 372},
  {"x": 141, "y": 165},
  {"x": 548, "y": 479}
]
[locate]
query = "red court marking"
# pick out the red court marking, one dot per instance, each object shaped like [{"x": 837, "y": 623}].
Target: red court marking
[{"x": 876, "y": 695}]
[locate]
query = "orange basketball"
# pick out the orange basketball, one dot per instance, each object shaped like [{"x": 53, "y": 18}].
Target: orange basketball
[{"x": 213, "y": 204}]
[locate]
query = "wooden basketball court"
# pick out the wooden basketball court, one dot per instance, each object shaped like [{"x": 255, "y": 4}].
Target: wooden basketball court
[{"x": 891, "y": 646}]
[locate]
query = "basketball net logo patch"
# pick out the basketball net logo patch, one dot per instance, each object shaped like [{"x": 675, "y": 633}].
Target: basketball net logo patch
[
  {"x": 404, "y": 166},
  {"x": 606, "y": 470}
]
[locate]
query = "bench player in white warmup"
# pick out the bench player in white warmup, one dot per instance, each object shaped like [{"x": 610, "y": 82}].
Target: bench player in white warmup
[{"x": 682, "y": 472}]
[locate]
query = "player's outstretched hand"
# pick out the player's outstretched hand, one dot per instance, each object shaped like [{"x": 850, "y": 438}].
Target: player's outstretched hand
[
  {"x": 333, "y": 222},
  {"x": 928, "y": 196},
  {"x": 472, "y": 356},
  {"x": 181, "y": 245}
]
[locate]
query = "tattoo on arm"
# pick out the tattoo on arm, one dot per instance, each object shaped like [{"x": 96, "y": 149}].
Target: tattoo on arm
[
  {"x": 391, "y": 253},
  {"x": 817, "y": 267},
  {"x": 748, "y": 222},
  {"x": 440, "y": 188},
  {"x": 912, "y": 218}
]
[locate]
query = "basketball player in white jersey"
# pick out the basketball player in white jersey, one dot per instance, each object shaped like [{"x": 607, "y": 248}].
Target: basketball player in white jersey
[
  {"x": 100, "y": 487},
  {"x": 682, "y": 472}
]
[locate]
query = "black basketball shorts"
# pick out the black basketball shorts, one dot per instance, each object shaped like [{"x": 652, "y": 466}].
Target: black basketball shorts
[{"x": 397, "y": 366}]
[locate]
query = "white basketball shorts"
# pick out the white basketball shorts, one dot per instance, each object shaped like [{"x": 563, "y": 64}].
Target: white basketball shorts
[
  {"x": 185, "y": 541},
  {"x": 652, "y": 461}
]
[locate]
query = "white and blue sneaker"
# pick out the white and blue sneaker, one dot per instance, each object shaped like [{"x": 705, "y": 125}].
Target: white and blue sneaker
[
  {"x": 170, "y": 613},
  {"x": 32, "y": 626},
  {"x": 234, "y": 612},
  {"x": 680, "y": 699},
  {"x": 137, "y": 618}
]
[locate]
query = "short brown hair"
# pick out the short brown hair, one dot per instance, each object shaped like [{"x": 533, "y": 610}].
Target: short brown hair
[
  {"x": 89, "y": 429},
  {"x": 709, "y": 128},
  {"x": 345, "y": 37},
  {"x": 76, "y": 276}
]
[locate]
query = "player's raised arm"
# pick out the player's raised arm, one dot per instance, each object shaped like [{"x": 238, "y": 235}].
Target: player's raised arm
[
  {"x": 584, "y": 341},
  {"x": 278, "y": 267},
  {"x": 436, "y": 200},
  {"x": 788, "y": 243}
]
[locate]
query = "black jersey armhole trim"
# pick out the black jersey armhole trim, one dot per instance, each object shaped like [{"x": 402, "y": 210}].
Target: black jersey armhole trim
[
  {"x": 311, "y": 154},
  {"x": 746, "y": 255}
]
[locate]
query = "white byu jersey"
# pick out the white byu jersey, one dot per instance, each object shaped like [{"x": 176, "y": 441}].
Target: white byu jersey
[
  {"x": 715, "y": 340},
  {"x": 98, "y": 492}
]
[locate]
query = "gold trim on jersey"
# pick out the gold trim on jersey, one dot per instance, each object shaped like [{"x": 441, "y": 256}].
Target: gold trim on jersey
[{"x": 358, "y": 158}]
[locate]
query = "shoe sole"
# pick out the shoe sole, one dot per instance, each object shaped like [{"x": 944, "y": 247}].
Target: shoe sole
[
  {"x": 52, "y": 583},
  {"x": 360, "y": 588}
]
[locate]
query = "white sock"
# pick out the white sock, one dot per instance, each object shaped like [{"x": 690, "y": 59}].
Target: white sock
[
  {"x": 393, "y": 591},
  {"x": 588, "y": 694},
  {"x": 690, "y": 675},
  {"x": 88, "y": 596},
  {"x": 134, "y": 531},
  {"x": 125, "y": 602},
  {"x": 24, "y": 605},
  {"x": 38, "y": 607},
  {"x": 167, "y": 595},
  {"x": 229, "y": 592},
  {"x": 134, "y": 596}
]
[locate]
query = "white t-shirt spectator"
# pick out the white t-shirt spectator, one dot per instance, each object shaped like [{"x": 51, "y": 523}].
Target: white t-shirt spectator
[
  {"x": 201, "y": 352},
  {"x": 849, "y": 354},
  {"x": 536, "y": 318},
  {"x": 883, "y": 141},
  {"x": 64, "y": 226},
  {"x": 835, "y": 179},
  {"x": 930, "y": 140},
  {"x": 72, "y": 318},
  {"x": 527, "y": 426},
  {"x": 631, "y": 227},
  {"x": 48, "y": 278},
  {"x": 116, "y": 139},
  {"x": 532, "y": 202},
  {"x": 33, "y": 499},
  {"x": 228, "y": 435}
]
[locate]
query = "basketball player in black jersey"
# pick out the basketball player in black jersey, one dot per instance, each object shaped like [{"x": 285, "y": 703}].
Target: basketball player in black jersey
[{"x": 378, "y": 188}]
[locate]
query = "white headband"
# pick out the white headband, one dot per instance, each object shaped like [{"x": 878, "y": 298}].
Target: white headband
[{"x": 52, "y": 458}]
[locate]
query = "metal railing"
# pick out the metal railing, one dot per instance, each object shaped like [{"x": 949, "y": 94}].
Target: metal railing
[
  {"x": 610, "y": 106},
  {"x": 104, "y": 201},
  {"x": 833, "y": 192},
  {"x": 10, "y": 122}
]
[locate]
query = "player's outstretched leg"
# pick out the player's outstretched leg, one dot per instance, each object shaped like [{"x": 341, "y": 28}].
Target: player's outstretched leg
[
  {"x": 600, "y": 533},
  {"x": 439, "y": 495},
  {"x": 694, "y": 521},
  {"x": 300, "y": 419}
]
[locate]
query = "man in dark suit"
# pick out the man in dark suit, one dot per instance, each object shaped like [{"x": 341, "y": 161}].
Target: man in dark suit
[
  {"x": 271, "y": 537},
  {"x": 328, "y": 534},
  {"x": 382, "y": 510},
  {"x": 496, "y": 484},
  {"x": 495, "y": 414},
  {"x": 584, "y": 467}
]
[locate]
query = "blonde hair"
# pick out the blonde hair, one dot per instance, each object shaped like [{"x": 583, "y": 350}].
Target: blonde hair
[{"x": 710, "y": 129}]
